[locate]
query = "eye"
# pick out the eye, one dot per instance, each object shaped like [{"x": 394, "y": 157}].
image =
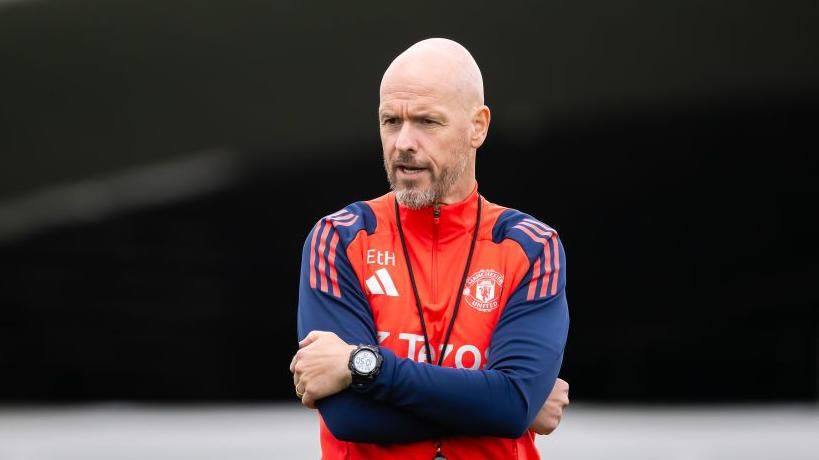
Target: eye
[
  {"x": 386, "y": 121},
  {"x": 428, "y": 121}
]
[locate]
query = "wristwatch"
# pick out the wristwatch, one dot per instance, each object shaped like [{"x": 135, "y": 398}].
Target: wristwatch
[{"x": 365, "y": 364}]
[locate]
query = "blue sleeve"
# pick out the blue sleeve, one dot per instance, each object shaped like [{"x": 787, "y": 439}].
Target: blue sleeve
[
  {"x": 525, "y": 356},
  {"x": 330, "y": 299}
]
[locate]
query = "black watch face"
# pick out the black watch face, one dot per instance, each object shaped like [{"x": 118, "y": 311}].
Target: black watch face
[{"x": 365, "y": 361}]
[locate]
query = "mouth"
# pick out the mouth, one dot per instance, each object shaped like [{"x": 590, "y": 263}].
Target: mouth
[{"x": 410, "y": 170}]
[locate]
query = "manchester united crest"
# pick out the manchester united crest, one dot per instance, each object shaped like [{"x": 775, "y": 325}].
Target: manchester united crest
[{"x": 483, "y": 290}]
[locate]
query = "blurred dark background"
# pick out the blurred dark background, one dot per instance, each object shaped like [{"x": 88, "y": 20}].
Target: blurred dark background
[{"x": 162, "y": 163}]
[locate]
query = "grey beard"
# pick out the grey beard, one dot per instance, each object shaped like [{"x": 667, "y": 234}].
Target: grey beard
[{"x": 416, "y": 199}]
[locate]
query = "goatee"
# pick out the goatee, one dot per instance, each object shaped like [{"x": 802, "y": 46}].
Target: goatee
[{"x": 415, "y": 197}]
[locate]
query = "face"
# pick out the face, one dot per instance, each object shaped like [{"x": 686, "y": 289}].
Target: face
[{"x": 425, "y": 136}]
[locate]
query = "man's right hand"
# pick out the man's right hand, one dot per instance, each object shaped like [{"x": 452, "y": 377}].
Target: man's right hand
[{"x": 550, "y": 414}]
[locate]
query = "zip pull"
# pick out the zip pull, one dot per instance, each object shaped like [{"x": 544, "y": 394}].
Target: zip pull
[
  {"x": 438, "y": 454},
  {"x": 436, "y": 212}
]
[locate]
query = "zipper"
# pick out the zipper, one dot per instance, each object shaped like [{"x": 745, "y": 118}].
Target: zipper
[
  {"x": 438, "y": 454},
  {"x": 436, "y": 217}
]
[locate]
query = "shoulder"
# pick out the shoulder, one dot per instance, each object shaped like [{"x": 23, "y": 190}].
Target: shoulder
[
  {"x": 531, "y": 234},
  {"x": 324, "y": 260},
  {"x": 346, "y": 223},
  {"x": 545, "y": 276}
]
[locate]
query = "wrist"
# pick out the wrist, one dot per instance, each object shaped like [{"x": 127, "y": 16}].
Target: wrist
[{"x": 348, "y": 376}]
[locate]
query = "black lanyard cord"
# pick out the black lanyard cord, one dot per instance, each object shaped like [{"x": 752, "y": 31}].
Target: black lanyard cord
[{"x": 415, "y": 286}]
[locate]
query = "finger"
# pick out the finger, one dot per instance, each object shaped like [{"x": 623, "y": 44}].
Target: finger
[
  {"x": 555, "y": 390},
  {"x": 308, "y": 400},
  {"x": 311, "y": 337},
  {"x": 293, "y": 363}
]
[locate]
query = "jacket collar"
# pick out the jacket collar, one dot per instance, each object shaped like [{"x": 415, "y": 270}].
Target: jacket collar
[{"x": 454, "y": 220}]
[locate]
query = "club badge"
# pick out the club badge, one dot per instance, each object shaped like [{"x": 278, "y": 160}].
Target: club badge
[{"x": 483, "y": 290}]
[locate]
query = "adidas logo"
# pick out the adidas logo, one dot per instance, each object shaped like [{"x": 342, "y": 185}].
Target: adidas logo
[{"x": 381, "y": 283}]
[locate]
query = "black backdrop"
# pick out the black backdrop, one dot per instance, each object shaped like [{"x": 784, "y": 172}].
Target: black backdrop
[
  {"x": 688, "y": 228},
  {"x": 671, "y": 144}
]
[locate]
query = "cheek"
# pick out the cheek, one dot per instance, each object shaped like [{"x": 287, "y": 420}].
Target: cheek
[
  {"x": 446, "y": 149},
  {"x": 387, "y": 143}
]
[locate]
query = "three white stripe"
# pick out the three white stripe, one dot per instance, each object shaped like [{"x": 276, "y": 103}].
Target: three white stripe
[{"x": 383, "y": 276}]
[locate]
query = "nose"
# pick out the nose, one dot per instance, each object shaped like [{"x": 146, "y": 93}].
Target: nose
[{"x": 406, "y": 140}]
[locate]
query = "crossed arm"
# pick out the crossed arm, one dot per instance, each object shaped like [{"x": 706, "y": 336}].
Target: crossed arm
[
  {"x": 412, "y": 401},
  {"x": 318, "y": 360}
]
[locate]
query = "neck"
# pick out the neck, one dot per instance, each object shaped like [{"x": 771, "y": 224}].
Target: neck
[{"x": 459, "y": 192}]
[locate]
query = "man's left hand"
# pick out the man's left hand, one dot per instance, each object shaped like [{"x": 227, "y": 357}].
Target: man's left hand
[
  {"x": 550, "y": 414},
  {"x": 320, "y": 367}
]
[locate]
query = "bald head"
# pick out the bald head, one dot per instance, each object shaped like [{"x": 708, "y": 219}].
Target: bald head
[
  {"x": 438, "y": 67},
  {"x": 432, "y": 121}
]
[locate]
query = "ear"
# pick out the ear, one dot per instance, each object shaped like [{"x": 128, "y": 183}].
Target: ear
[{"x": 480, "y": 126}]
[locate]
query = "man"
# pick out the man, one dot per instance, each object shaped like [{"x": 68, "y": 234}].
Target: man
[{"x": 432, "y": 322}]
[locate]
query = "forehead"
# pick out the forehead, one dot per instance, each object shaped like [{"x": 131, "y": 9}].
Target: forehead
[{"x": 415, "y": 97}]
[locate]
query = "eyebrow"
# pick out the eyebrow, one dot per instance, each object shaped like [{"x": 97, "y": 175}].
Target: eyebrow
[{"x": 419, "y": 113}]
